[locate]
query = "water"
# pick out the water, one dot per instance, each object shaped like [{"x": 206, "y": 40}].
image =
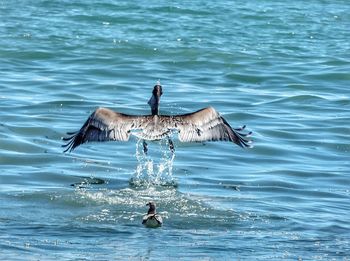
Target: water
[{"x": 282, "y": 68}]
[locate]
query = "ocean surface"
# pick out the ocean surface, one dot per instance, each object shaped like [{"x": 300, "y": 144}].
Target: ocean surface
[{"x": 280, "y": 67}]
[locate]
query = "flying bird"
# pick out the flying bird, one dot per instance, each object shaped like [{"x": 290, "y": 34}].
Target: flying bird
[
  {"x": 152, "y": 219},
  {"x": 203, "y": 125}
]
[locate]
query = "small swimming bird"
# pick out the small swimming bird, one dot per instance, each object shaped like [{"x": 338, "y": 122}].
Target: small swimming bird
[
  {"x": 203, "y": 125},
  {"x": 152, "y": 219}
]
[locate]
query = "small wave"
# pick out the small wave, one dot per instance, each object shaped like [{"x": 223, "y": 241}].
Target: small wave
[
  {"x": 88, "y": 181},
  {"x": 304, "y": 98}
]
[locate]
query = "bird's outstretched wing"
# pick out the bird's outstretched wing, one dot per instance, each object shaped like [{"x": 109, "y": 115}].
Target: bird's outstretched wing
[
  {"x": 207, "y": 125},
  {"x": 203, "y": 125},
  {"x": 104, "y": 125}
]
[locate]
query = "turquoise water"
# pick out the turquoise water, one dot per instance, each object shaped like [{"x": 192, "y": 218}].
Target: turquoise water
[{"x": 282, "y": 68}]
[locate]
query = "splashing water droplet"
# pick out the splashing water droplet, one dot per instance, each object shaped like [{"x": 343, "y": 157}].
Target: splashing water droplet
[{"x": 151, "y": 172}]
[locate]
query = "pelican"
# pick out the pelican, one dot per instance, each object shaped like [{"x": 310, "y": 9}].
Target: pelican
[
  {"x": 203, "y": 125},
  {"x": 152, "y": 219}
]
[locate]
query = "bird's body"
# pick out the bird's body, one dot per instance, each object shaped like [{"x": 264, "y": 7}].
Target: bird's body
[
  {"x": 203, "y": 125},
  {"x": 152, "y": 219}
]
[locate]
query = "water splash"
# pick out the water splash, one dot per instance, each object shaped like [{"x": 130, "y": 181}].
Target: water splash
[{"x": 150, "y": 172}]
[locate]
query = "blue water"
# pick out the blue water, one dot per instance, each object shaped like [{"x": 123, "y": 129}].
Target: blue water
[{"x": 282, "y": 68}]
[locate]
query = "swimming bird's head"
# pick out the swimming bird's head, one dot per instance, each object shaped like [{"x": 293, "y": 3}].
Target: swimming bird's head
[
  {"x": 152, "y": 207},
  {"x": 155, "y": 99}
]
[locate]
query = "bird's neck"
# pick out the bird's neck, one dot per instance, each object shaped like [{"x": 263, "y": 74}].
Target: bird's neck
[
  {"x": 151, "y": 210},
  {"x": 155, "y": 110},
  {"x": 154, "y": 104}
]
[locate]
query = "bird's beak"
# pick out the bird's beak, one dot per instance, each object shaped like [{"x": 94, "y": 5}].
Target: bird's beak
[
  {"x": 154, "y": 104},
  {"x": 153, "y": 101}
]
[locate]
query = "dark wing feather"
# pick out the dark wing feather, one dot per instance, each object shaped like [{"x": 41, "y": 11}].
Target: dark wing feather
[
  {"x": 103, "y": 125},
  {"x": 207, "y": 125}
]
